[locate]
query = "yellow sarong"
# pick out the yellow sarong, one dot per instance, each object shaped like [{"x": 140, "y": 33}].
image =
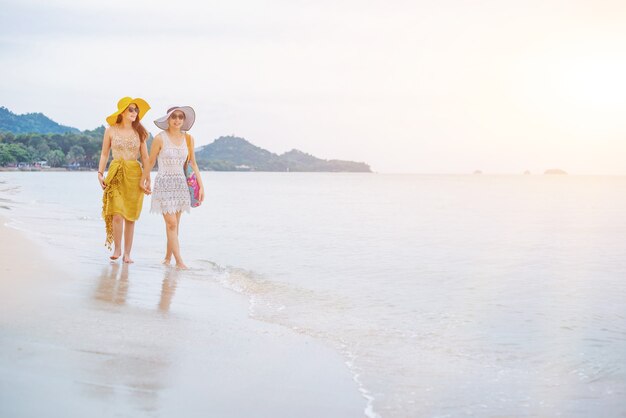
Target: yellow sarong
[{"x": 122, "y": 194}]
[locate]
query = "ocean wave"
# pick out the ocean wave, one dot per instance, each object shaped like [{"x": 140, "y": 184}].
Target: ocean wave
[{"x": 277, "y": 302}]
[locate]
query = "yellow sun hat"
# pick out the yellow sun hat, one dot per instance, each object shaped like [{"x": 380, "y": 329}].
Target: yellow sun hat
[{"x": 124, "y": 102}]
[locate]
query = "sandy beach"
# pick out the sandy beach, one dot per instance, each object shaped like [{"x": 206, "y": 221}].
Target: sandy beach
[{"x": 113, "y": 344}]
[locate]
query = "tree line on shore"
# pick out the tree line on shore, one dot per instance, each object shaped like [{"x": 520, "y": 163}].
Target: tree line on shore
[
  {"x": 81, "y": 150},
  {"x": 58, "y": 150}
]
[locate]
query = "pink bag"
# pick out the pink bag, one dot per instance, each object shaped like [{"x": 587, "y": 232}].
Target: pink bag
[{"x": 192, "y": 182}]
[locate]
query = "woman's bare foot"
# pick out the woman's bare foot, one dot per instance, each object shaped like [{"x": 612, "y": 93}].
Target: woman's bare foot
[
  {"x": 127, "y": 259},
  {"x": 181, "y": 266},
  {"x": 166, "y": 261},
  {"x": 116, "y": 254}
]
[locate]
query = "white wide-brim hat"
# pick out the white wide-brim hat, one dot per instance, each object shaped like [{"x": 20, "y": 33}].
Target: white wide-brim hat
[{"x": 190, "y": 118}]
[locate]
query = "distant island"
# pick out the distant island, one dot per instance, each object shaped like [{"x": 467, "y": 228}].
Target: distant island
[
  {"x": 34, "y": 141},
  {"x": 232, "y": 153},
  {"x": 554, "y": 171}
]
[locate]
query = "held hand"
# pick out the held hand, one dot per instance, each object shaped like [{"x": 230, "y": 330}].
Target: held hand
[
  {"x": 145, "y": 185},
  {"x": 101, "y": 181}
]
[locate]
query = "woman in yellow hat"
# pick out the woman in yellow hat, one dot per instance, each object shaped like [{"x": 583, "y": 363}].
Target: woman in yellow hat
[{"x": 123, "y": 192}]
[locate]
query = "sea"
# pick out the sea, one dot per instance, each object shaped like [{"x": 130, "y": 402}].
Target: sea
[{"x": 446, "y": 295}]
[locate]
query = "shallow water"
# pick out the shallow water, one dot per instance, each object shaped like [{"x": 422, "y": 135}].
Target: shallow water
[{"x": 446, "y": 295}]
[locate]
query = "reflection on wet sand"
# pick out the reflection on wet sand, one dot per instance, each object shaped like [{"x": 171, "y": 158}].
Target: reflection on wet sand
[
  {"x": 113, "y": 284},
  {"x": 129, "y": 362},
  {"x": 168, "y": 288}
]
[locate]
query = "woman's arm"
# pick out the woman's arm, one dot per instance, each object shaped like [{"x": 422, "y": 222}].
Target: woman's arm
[
  {"x": 195, "y": 168},
  {"x": 157, "y": 143},
  {"x": 104, "y": 156},
  {"x": 145, "y": 159}
]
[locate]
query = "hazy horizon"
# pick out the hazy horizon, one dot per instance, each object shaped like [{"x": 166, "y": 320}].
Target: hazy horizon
[{"x": 407, "y": 87}]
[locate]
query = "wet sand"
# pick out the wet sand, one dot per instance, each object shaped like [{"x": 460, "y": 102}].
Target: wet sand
[{"x": 113, "y": 343}]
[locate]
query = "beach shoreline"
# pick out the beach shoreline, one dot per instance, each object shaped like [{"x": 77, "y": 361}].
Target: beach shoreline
[{"x": 115, "y": 342}]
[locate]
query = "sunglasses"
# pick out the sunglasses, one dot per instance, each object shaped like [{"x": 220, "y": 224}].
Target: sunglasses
[
  {"x": 180, "y": 116},
  {"x": 133, "y": 109}
]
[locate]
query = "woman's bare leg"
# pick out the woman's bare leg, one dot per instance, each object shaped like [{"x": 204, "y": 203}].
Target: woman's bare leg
[
  {"x": 118, "y": 228},
  {"x": 168, "y": 251},
  {"x": 178, "y": 215},
  {"x": 171, "y": 228},
  {"x": 129, "y": 231}
]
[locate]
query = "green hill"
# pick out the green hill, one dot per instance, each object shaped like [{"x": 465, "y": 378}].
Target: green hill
[
  {"x": 231, "y": 153},
  {"x": 300, "y": 161},
  {"x": 30, "y": 123}
]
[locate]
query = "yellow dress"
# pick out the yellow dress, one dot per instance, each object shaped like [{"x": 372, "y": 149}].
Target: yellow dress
[{"x": 122, "y": 194}]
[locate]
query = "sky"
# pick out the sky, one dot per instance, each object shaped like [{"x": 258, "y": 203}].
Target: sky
[{"x": 448, "y": 86}]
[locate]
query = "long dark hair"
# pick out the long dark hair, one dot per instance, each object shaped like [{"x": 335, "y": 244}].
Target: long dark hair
[{"x": 137, "y": 126}]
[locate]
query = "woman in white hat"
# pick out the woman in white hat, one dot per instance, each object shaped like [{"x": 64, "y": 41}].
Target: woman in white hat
[
  {"x": 122, "y": 199},
  {"x": 170, "y": 196}
]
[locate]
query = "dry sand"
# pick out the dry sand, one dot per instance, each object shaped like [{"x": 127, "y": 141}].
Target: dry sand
[{"x": 111, "y": 344}]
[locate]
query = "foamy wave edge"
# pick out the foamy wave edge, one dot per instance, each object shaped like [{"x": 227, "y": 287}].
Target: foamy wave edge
[{"x": 248, "y": 283}]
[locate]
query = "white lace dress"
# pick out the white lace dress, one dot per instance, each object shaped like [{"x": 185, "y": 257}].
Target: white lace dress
[{"x": 170, "y": 193}]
